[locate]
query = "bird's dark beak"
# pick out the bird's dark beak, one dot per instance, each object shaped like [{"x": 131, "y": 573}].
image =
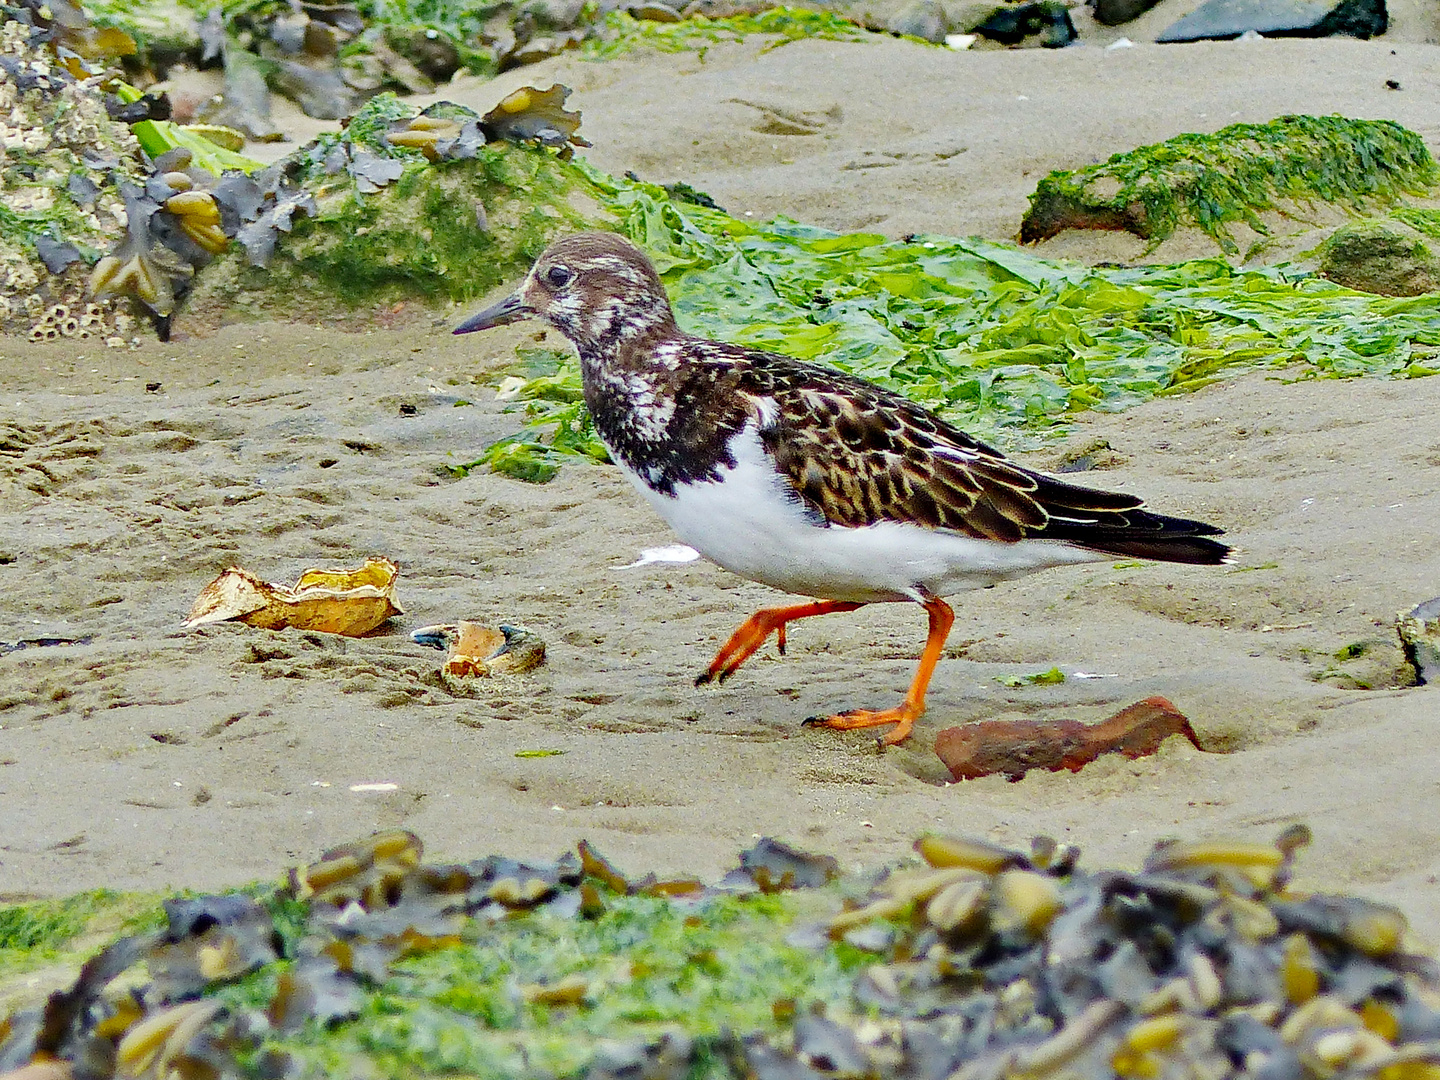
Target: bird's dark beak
[{"x": 508, "y": 310}]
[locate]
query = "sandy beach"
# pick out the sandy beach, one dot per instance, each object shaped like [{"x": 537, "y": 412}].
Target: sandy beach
[{"x": 145, "y": 756}]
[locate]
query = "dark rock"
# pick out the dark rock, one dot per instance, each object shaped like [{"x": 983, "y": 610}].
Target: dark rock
[
  {"x": 1013, "y": 23},
  {"x": 1115, "y": 12},
  {"x": 1380, "y": 256},
  {"x": 1223, "y": 19}
]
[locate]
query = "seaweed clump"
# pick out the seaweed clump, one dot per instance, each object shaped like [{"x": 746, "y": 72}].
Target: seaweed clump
[
  {"x": 1213, "y": 181},
  {"x": 977, "y": 962},
  {"x": 404, "y": 205}
]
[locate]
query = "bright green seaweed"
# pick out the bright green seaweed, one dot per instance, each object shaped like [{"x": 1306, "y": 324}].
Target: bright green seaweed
[
  {"x": 620, "y": 32},
  {"x": 1215, "y": 180},
  {"x": 648, "y": 964},
  {"x": 995, "y": 339}
]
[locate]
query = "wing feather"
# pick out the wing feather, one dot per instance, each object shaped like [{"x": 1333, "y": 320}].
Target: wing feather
[{"x": 857, "y": 455}]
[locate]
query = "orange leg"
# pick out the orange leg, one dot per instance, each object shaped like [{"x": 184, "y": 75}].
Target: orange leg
[
  {"x": 904, "y": 715},
  {"x": 754, "y": 630}
]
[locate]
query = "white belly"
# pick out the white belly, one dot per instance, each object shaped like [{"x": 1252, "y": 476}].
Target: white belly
[{"x": 751, "y": 523}]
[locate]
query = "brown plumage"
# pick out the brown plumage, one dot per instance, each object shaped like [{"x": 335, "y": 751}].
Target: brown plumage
[{"x": 809, "y": 479}]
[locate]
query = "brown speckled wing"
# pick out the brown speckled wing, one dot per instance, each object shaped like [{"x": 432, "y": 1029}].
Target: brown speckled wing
[{"x": 858, "y": 455}]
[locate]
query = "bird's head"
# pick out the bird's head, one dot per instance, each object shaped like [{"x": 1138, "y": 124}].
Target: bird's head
[{"x": 596, "y": 288}]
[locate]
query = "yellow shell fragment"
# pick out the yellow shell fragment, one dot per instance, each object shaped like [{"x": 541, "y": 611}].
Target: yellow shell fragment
[
  {"x": 1024, "y": 900},
  {"x": 198, "y": 205},
  {"x": 960, "y": 851},
  {"x": 1257, "y": 863},
  {"x": 1300, "y": 969},
  {"x": 434, "y": 123},
  {"x": 350, "y": 602},
  {"x": 517, "y": 102},
  {"x": 159, "y": 1039},
  {"x": 369, "y": 871},
  {"x": 416, "y": 140},
  {"x": 1374, "y": 929},
  {"x": 209, "y": 237}
]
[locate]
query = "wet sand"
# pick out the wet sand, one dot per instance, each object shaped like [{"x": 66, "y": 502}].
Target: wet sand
[{"x": 150, "y": 757}]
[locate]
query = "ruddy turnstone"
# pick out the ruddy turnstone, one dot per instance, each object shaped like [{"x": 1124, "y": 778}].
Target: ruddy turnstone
[{"x": 809, "y": 480}]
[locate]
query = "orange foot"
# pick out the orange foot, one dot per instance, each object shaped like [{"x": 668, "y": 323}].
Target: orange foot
[
  {"x": 754, "y": 630},
  {"x": 904, "y": 715}
]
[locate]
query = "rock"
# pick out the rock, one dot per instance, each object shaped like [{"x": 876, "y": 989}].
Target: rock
[
  {"x": 1232, "y": 175},
  {"x": 1011, "y": 24},
  {"x": 654, "y": 12},
  {"x": 963, "y": 16},
  {"x": 1381, "y": 256},
  {"x": 1115, "y": 12},
  {"x": 1420, "y": 634},
  {"x": 1371, "y": 664},
  {"x": 1014, "y": 747},
  {"x": 923, "y": 19},
  {"x": 1223, "y": 19}
]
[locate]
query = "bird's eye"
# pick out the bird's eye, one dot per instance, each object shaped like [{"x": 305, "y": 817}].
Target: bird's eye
[{"x": 559, "y": 276}]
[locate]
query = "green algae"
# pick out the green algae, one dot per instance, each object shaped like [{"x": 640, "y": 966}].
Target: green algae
[
  {"x": 451, "y": 230},
  {"x": 649, "y": 966},
  {"x": 1232, "y": 176},
  {"x": 1008, "y": 345},
  {"x": 40, "y": 933},
  {"x": 620, "y": 33}
]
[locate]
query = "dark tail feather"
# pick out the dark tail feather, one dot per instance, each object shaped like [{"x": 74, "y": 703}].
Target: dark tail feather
[
  {"x": 1196, "y": 550},
  {"x": 1148, "y": 536}
]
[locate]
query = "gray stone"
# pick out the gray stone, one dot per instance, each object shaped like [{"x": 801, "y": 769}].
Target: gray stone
[
  {"x": 924, "y": 19},
  {"x": 1380, "y": 256},
  {"x": 1280, "y": 18}
]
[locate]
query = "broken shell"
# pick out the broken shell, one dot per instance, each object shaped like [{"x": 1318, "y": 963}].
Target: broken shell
[
  {"x": 350, "y": 602},
  {"x": 1316, "y": 1015},
  {"x": 369, "y": 871},
  {"x": 1077, "y": 1035},
  {"x": 477, "y": 649},
  {"x": 880, "y": 909},
  {"x": 514, "y": 893},
  {"x": 923, "y": 884}
]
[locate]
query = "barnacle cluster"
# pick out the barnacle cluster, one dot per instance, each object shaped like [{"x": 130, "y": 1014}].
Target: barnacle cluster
[
  {"x": 980, "y": 963},
  {"x": 60, "y": 159},
  {"x": 61, "y": 321}
]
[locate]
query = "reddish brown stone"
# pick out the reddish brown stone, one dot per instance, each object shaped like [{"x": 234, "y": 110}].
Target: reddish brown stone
[{"x": 1013, "y": 747}]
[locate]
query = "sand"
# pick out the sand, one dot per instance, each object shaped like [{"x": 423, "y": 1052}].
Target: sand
[{"x": 149, "y": 757}]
